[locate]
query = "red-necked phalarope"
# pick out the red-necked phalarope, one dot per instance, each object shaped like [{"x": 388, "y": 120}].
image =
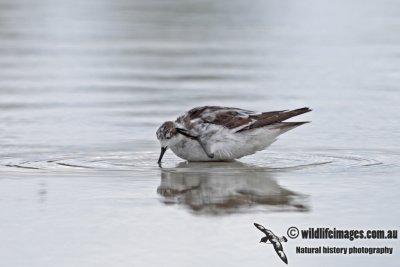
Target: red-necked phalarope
[{"x": 213, "y": 133}]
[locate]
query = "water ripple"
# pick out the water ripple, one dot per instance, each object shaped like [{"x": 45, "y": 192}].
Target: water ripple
[{"x": 268, "y": 161}]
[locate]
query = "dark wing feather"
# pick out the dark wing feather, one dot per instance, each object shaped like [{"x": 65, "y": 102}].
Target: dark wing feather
[
  {"x": 225, "y": 116},
  {"x": 279, "y": 250},
  {"x": 261, "y": 228},
  {"x": 265, "y": 119},
  {"x": 233, "y": 118}
]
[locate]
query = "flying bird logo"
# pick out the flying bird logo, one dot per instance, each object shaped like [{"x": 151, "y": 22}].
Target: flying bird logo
[{"x": 271, "y": 238}]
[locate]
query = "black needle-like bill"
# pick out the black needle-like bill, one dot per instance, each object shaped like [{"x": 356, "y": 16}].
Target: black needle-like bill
[{"x": 163, "y": 149}]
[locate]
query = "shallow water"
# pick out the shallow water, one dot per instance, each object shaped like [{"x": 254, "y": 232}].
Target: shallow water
[{"x": 84, "y": 86}]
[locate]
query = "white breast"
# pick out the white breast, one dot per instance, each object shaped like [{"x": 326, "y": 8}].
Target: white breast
[
  {"x": 227, "y": 145},
  {"x": 190, "y": 150}
]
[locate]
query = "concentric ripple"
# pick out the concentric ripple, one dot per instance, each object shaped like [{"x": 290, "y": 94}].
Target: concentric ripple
[{"x": 334, "y": 161}]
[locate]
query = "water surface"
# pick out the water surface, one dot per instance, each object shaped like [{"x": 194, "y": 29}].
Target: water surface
[{"x": 85, "y": 85}]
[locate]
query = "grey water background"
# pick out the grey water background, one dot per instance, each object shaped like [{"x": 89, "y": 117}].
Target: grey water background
[{"x": 85, "y": 84}]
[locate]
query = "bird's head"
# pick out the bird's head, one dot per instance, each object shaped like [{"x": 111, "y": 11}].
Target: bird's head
[
  {"x": 168, "y": 136},
  {"x": 264, "y": 239}
]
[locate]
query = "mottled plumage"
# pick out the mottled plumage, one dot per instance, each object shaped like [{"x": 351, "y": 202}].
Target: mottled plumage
[
  {"x": 274, "y": 240},
  {"x": 213, "y": 133}
]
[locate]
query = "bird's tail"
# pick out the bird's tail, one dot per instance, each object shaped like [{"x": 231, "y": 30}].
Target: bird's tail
[
  {"x": 285, "y": 126},
  {"x": 283, "y": 239}
]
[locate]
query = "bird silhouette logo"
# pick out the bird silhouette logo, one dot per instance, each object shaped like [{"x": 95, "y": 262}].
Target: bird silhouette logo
[{"x": 271, "y": 238}]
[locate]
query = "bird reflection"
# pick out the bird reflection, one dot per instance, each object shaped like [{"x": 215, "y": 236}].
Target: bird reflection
[{"x": 226, "y": 187}]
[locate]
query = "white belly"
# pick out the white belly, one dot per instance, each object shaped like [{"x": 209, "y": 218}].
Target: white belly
[
  {"x": 191, "y": 150},
  {"x": 226, "y": 146}
]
